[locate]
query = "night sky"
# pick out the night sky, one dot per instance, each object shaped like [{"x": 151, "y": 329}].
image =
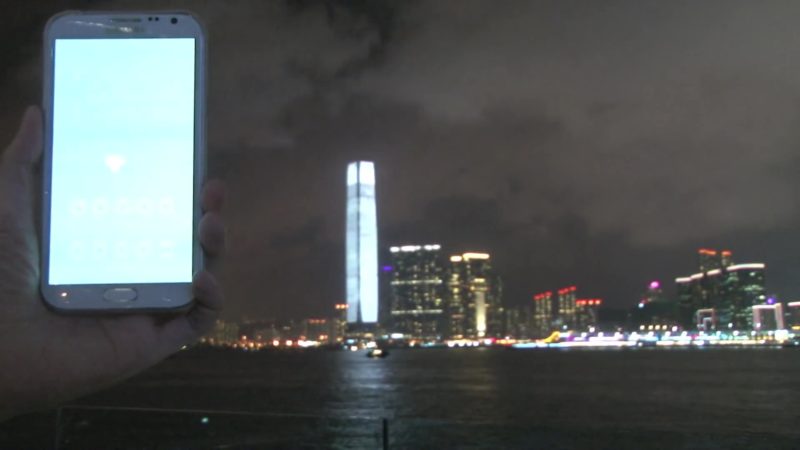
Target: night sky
[{"x": 589, "y": 143}]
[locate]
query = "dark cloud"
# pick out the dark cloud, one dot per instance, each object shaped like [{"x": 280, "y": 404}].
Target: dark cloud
[{"x": 590, "y": 143}]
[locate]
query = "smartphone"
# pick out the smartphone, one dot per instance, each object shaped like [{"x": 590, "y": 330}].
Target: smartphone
[{"x": 124, "y": 160}]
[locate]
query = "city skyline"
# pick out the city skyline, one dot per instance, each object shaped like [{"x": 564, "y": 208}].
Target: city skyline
[{"x": 424, "y": 300}]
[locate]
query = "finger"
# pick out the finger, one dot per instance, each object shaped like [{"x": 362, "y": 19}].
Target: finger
[
  {"x": 213, "y": 195},
  {"x": 26, "y": 148},
  {"x": 199, "y": 320},
  {"x": 212, "y": 234}
]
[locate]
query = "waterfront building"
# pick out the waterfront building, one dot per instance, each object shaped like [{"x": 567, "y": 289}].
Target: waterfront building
[
  {"x": 743, "y": 287},
  {"x": 223, "y": 333},
  {"x": 339, "y": 323},
  {"x": 709, "y": 259},
  {"x": 316, "y": 329},
  {"x": 361, "y": 255},
  {"x": 474, "y": 292},
  {"x": 793, "y": 316},
  {"x": 723, "y": 291},
  {"x": 518, "y": 322},
  {"x": 417, "y": 291},
  {"x": 543, "y": 318},
  {"x": 567, "y": 311},
  {"x": 586, "y": 313},
  {"x": 725, "y": 258}
]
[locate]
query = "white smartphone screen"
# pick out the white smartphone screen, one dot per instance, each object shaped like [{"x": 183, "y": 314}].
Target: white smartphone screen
[{"x": 123, "y": 161}]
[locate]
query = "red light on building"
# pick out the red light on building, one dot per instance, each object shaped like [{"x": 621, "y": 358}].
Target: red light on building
[
  {"x": 706, "y": 251},
  {"x": 589, "y": 302}
]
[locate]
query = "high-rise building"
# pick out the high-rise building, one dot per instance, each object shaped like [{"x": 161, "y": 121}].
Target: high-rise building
[
  {"x": 474, "y": 291},
  {"x": 567, "y": 312},
  {"x": 543, "y": 317},
  {"x": 417, "y": 291},
  {"x": 361, "y": 244},
  {"x": 722, "y": 294},
  {"x": 726, "y": 258},
  {"x": 517, "y": 322},
  {"x": 742, "y": 288},
  {"x": 339, "y": 323},
  {"x": 586, "y": 313},
  {"x": 793, "y": 316},
  {"x": 708, "y": 259}
]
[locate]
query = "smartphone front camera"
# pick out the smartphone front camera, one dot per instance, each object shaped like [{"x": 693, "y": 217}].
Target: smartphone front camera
[{"x": 174, "y": 20}]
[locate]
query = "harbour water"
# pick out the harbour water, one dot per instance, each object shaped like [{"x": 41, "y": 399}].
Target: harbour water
[{"x": 450, "y": 398}]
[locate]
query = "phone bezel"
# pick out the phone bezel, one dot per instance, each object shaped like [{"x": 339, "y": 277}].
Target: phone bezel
[{"x": 155, "y": 297}]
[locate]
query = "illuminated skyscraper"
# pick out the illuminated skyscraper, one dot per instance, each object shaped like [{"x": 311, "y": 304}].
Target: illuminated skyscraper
[
  {"x": 723, "y": 291},
  {"x": 362, "y": 244},
  {"x": 543, "y": 317},
  {"x": 339, "y": 322},
  {"x": 742, "y": 288},
  {"x": 708, "y": 259},
  {"x": 474, "y": 307},
  {"x": 417, "y": 290},
  {"x": 567, "y": 312}
]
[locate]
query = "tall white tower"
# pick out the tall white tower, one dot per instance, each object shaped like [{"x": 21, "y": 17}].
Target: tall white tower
[{"x": 361, "y": 244}]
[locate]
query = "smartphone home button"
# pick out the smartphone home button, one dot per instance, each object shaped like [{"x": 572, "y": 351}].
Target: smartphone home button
[{"x": 120, "y": 295}]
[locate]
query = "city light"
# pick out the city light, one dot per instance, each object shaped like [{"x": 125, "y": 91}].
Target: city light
[
  {"x": 468, "y": 256},
  {"x": 454, "y": 306},
  {"x": 757, "y": 266}
]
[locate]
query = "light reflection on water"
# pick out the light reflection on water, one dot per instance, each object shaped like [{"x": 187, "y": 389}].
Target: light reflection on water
[{"x": 509, "y": 393}]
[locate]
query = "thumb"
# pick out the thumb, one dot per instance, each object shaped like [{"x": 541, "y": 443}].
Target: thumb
[
  {"x": 26, "y": 147},
  {"x": 17, "y": 166}
]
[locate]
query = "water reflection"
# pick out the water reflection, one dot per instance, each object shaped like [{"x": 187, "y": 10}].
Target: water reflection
[{"x": 361, "y": 386}]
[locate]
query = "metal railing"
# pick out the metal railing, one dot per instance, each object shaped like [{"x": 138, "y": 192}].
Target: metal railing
[{"x": 88, "y": 426}]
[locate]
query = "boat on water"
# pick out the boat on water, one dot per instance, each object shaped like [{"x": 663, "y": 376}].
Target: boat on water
[
  {"x": 377, "y": 353},
  {"x": 793, "y": 342}
]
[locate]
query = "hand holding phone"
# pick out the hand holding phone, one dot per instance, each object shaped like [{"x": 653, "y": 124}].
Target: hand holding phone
[{"x": 48, "y": 357}]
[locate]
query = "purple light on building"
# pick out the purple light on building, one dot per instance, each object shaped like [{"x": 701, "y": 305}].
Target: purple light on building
[
  {"x": 655, "y": 285},
  {"x": 771, "y": 301},
  {"x": 387, "y": 268}
]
